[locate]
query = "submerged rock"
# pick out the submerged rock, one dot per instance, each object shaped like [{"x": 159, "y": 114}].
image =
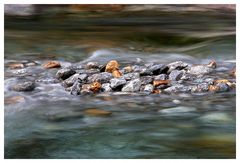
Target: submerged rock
[
  {"x": 26, "y": 86},
  {"x": 97, "y": 112},
  {"x": 52, "y": 64}
]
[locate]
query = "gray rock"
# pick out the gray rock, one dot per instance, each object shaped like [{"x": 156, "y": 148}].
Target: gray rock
[
  {"x": 178, "y": 88},
  {"x": 146, "y": 80},
  {"x": 131, "y": 76},
  {"x": 158, "y": 69},
  {"x": 137, "y": 68},
  {"x": 102, "y": 77},
  {"x": 223, "y": 87},
  {"x": 132, "y": 86},
  {"x": 117, "y": 82},
  {"x": 203, "y": 87},
  {"x": 75, "y": 89},
  {"x": 160, "y": 77},
  {"x": 175, "y": 75},
  {"x": 26, "y": 86},
  {"x": 200, "y": 70},
  {"x": 76, "y": 77},
  {"x": 145, "y": 71},
  {"x": 65, "y": 73},
  {"x": 178, "y": 65},
  {"x": 209, "y": 80},
  {"x": 92, "y": 65},
  {"x": 148, "y": 88},
  {"x": 106, "y": 87}
]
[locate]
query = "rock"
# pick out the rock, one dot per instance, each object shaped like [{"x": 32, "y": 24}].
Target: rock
[
  {"x": 137, "y": 68},
  {"x": 85, "y": 90},
  {"x": 116, "y": 73},
  {"x": 13, "y": 100},
  {"x": 127, "y": 69},
  {"x": 92, "y": 65},
  {"x": 32, "y": 63},
  {"x": 132, "y": 86},
  {"x": 26, "y": 86},
  {"x": 178, "y": 65},
  {"x": 146, "y": 80},
  {"x": 210, "y": 81},
  {"x": 95, "y": 87},
  {"x": 115, "y": 83},
  {"x": 52, "y": 64},
  {"x": 178, "y": 88},
  {"x": 175, "y": 75},
  {"x": 203, "y": 87},
  {"x": 75, "y": 89},
  {"x": 111, "y": 66},
  {"x": 102, "y": 77},
  {"x": 158, "y": 69},
  {"x": 223, "y": 87},
  {"x": 76, "y": 77},
  {"x": 160, "y": 77},
  {"x": 106, "y": 87},
  {"x": 221, "y": 81},
  {"x": 202, "y": 69},
  {"x": 130, "y": 76},
  {"x": 213, "y": 88},
  {"x": 97, "y": 112},
  {"x": 160, "y": 82},
  {"x": 157, "y": 91},
  {"x": 145, "y": 71},
  {"x": 46, "y": 80},
  {"x": 148, "y": 88},
  {"x": 65, "y": 73},
  {"x": 212, "y": 64},
  {"x": 16, "y": 65}
]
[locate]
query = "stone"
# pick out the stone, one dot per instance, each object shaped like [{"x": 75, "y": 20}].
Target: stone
[
  {"x": 97, "y": 112},
  {"x": 106, "y": 87},
  {"x": 65, "y": 73},
  {"x": 203, "y": 87},
  {"x": 132, "y": 86},
  {"x": 178, "y": 88},
  {"x": 158, "y": 69},
  {"x": 221, "y": 81},
  {"x": 116, "y": 73},
  {"x": 127, "y": 69},
  {"x": 175, "y": 75},
  {"x": 137, "y": 68},
  {"x": 200, "y": 70},
  {"x": 233, "y": 72},
  {"x": 92, "y": 65},
  {"x": 148, "y": 88},
  {"x": 16, "y": 65},
  {"x": 75, "y": 89},
  {"x": 145, "y": 71},
  {"x": 115, "y": 83},
  {"x": 25, "y": 86},
  {"x": 102, "y": 77},
  {"x": 95, "y": 87},
  {"x": 130, "y": 76},
  {"x": 146, "y": 80},
  {"x": 76, "y": 77},
  {"x": 13, "y": 100},
  {"x": 52, "y": 64},
  {"x": 160, "y": 82},
  {"x": 160, "y": 77},
  {"x": 223, "y": 87},
  {"x": 111, "y": 66},
  {"x": 178, "y": 65}
]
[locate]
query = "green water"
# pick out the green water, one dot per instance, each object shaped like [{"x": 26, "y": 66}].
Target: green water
[{"x": 52, "y": 124}]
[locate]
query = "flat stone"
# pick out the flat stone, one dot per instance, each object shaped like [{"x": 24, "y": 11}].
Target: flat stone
[
  {"x": 200, "y": 70},
  {"x": 92, "y": 65},
  {"x": 102, "y": 77},
  {"x": 132, "y": 86},
  {"x": 158, "y": 69},
  {"x": 148, "y": 88},
  {"x": 175, "y": 75},
  {"x": 52, "y": 64},
  {"x": 117, "y": 82},
  {"x": 26, "y": 86},
  {"x": 131, "y": 76},
  {"x": 106, "y": 87},
  {"x": 178, "y": 65},
  {"x": 178, "y": 88},
  {"x": 65, "y": 73},
  {"x": 160, "y": 77}
]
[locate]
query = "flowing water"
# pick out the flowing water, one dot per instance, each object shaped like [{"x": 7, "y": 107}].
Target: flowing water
[{"x": 51, "y": 123}]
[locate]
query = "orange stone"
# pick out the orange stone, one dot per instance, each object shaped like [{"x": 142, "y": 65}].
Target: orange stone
[
  {"x": 95, "y": 86},
  {"x": 97, "y": 112},
  {"x": 221, "y": 81},
  {"x": 16, "y": 65},
  {"x": 157, "y": 91},
  {"x": 13, "y": 100},
  {"x": 116, "y": 73},
  {"x": 111, "y": 66},
  {"x": 213, "y": 88},
  {"x": 160, "y": 82},
  {"x": 52, "y": 64}
]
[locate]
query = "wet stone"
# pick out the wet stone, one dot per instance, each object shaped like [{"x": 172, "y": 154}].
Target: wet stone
[
  {"x": 158, "y": 69},
  {"x": 26, "y": 86},
  {"x": 175, "y": 75},
  {"x": 92, "y": 65},
  {"x": 146, "y": 80},
  {"x": 200, "y": 70},
  {"x": 178, "y": 65},
  {"x": 75, "y": 89},
  {"x": 148, "y": 88},
  {"x": 106, "y": 87},
  {"x": 131, "y": 76},
  {"x": 160, "y": 77},
  {"x": 115, "y": 83},
  {"x": 65, "y": 73},
  {"x": 178, "y": 88},
  {"x": 102, "y": 77},
  {"x": 52, "y": 64},
  {"x": 111, "y": 66},
  {"x": 223, "y": 87},
  {"x": 203, "y": 87},
  {"x": 76, "y": 77},
  {"x": 16, "y": 65},
  {"x": 132, "y": 86}
]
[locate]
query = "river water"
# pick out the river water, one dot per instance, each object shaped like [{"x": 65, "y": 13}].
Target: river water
[{"x": 51, "y": 123}]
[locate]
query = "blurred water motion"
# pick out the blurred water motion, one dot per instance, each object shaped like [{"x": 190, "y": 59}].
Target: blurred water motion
[{"x": 50, "y": 123}]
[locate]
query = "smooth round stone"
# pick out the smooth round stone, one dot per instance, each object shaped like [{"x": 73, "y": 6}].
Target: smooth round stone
[{"x": 26, "y": 86}]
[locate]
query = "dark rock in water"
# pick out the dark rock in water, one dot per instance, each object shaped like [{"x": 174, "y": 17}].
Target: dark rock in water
[
  {"x": 146, "y": 80},
  {"x": 92, "y": 65},
  {"x": 178, "y": 88},
  {"x": 148, "y": 88},
  {"x": 131, "y": 76},
  {"x": 178, "y": 65},
  {"x": 160, "y": 77},
  {"x": 106, "y": 87},
  {"x": 117, "y": 82},
  {"x": 81, "y": 78},
  {"x": 132, "y": 86},
  {"x": 203, "y": 87},
  {"x": 65, "y": 73},
  {"x": 26, "y": 86},
  {"x": 102, "y": 77},
  {"x": 76, "y": 88},
  {"x": 175, "y": 75},
  {"x": 158, "y": 69},
  {"x": 223, "y": 87}
]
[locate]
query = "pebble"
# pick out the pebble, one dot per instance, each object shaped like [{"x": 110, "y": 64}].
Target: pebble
[
  {"x": 160, "y": 82},
  {"x": 65, "y": 73},
  {"x": 223, "y": 87},
  {"x": 116, "y": 73},
  {"x": 132, "y": 86},
  {"x": 75, "y": 89},
  {"x": 111, "y": 66},
  {"x": 178, "y": 88},
  {"x": 102, "y": 77},
  {"x": 95, "y": 87},
  {"x": 92, "y": 65},
  {"x": 178, "y": 65},
  {"x": 106, "y": 87},
  {"x": 115, "y": 83},
  {"x": 203, "y": 87},
  {"x": 160, "y": 77},
  {"x": 130, "y": 76},
  {"x": 148, "y": 88},
  {"x": 175, "y": 75},
  {"x": 146, "y": 80},
  {"x": 25, "y": 86},
  {"x": 52, "y": 64}
]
